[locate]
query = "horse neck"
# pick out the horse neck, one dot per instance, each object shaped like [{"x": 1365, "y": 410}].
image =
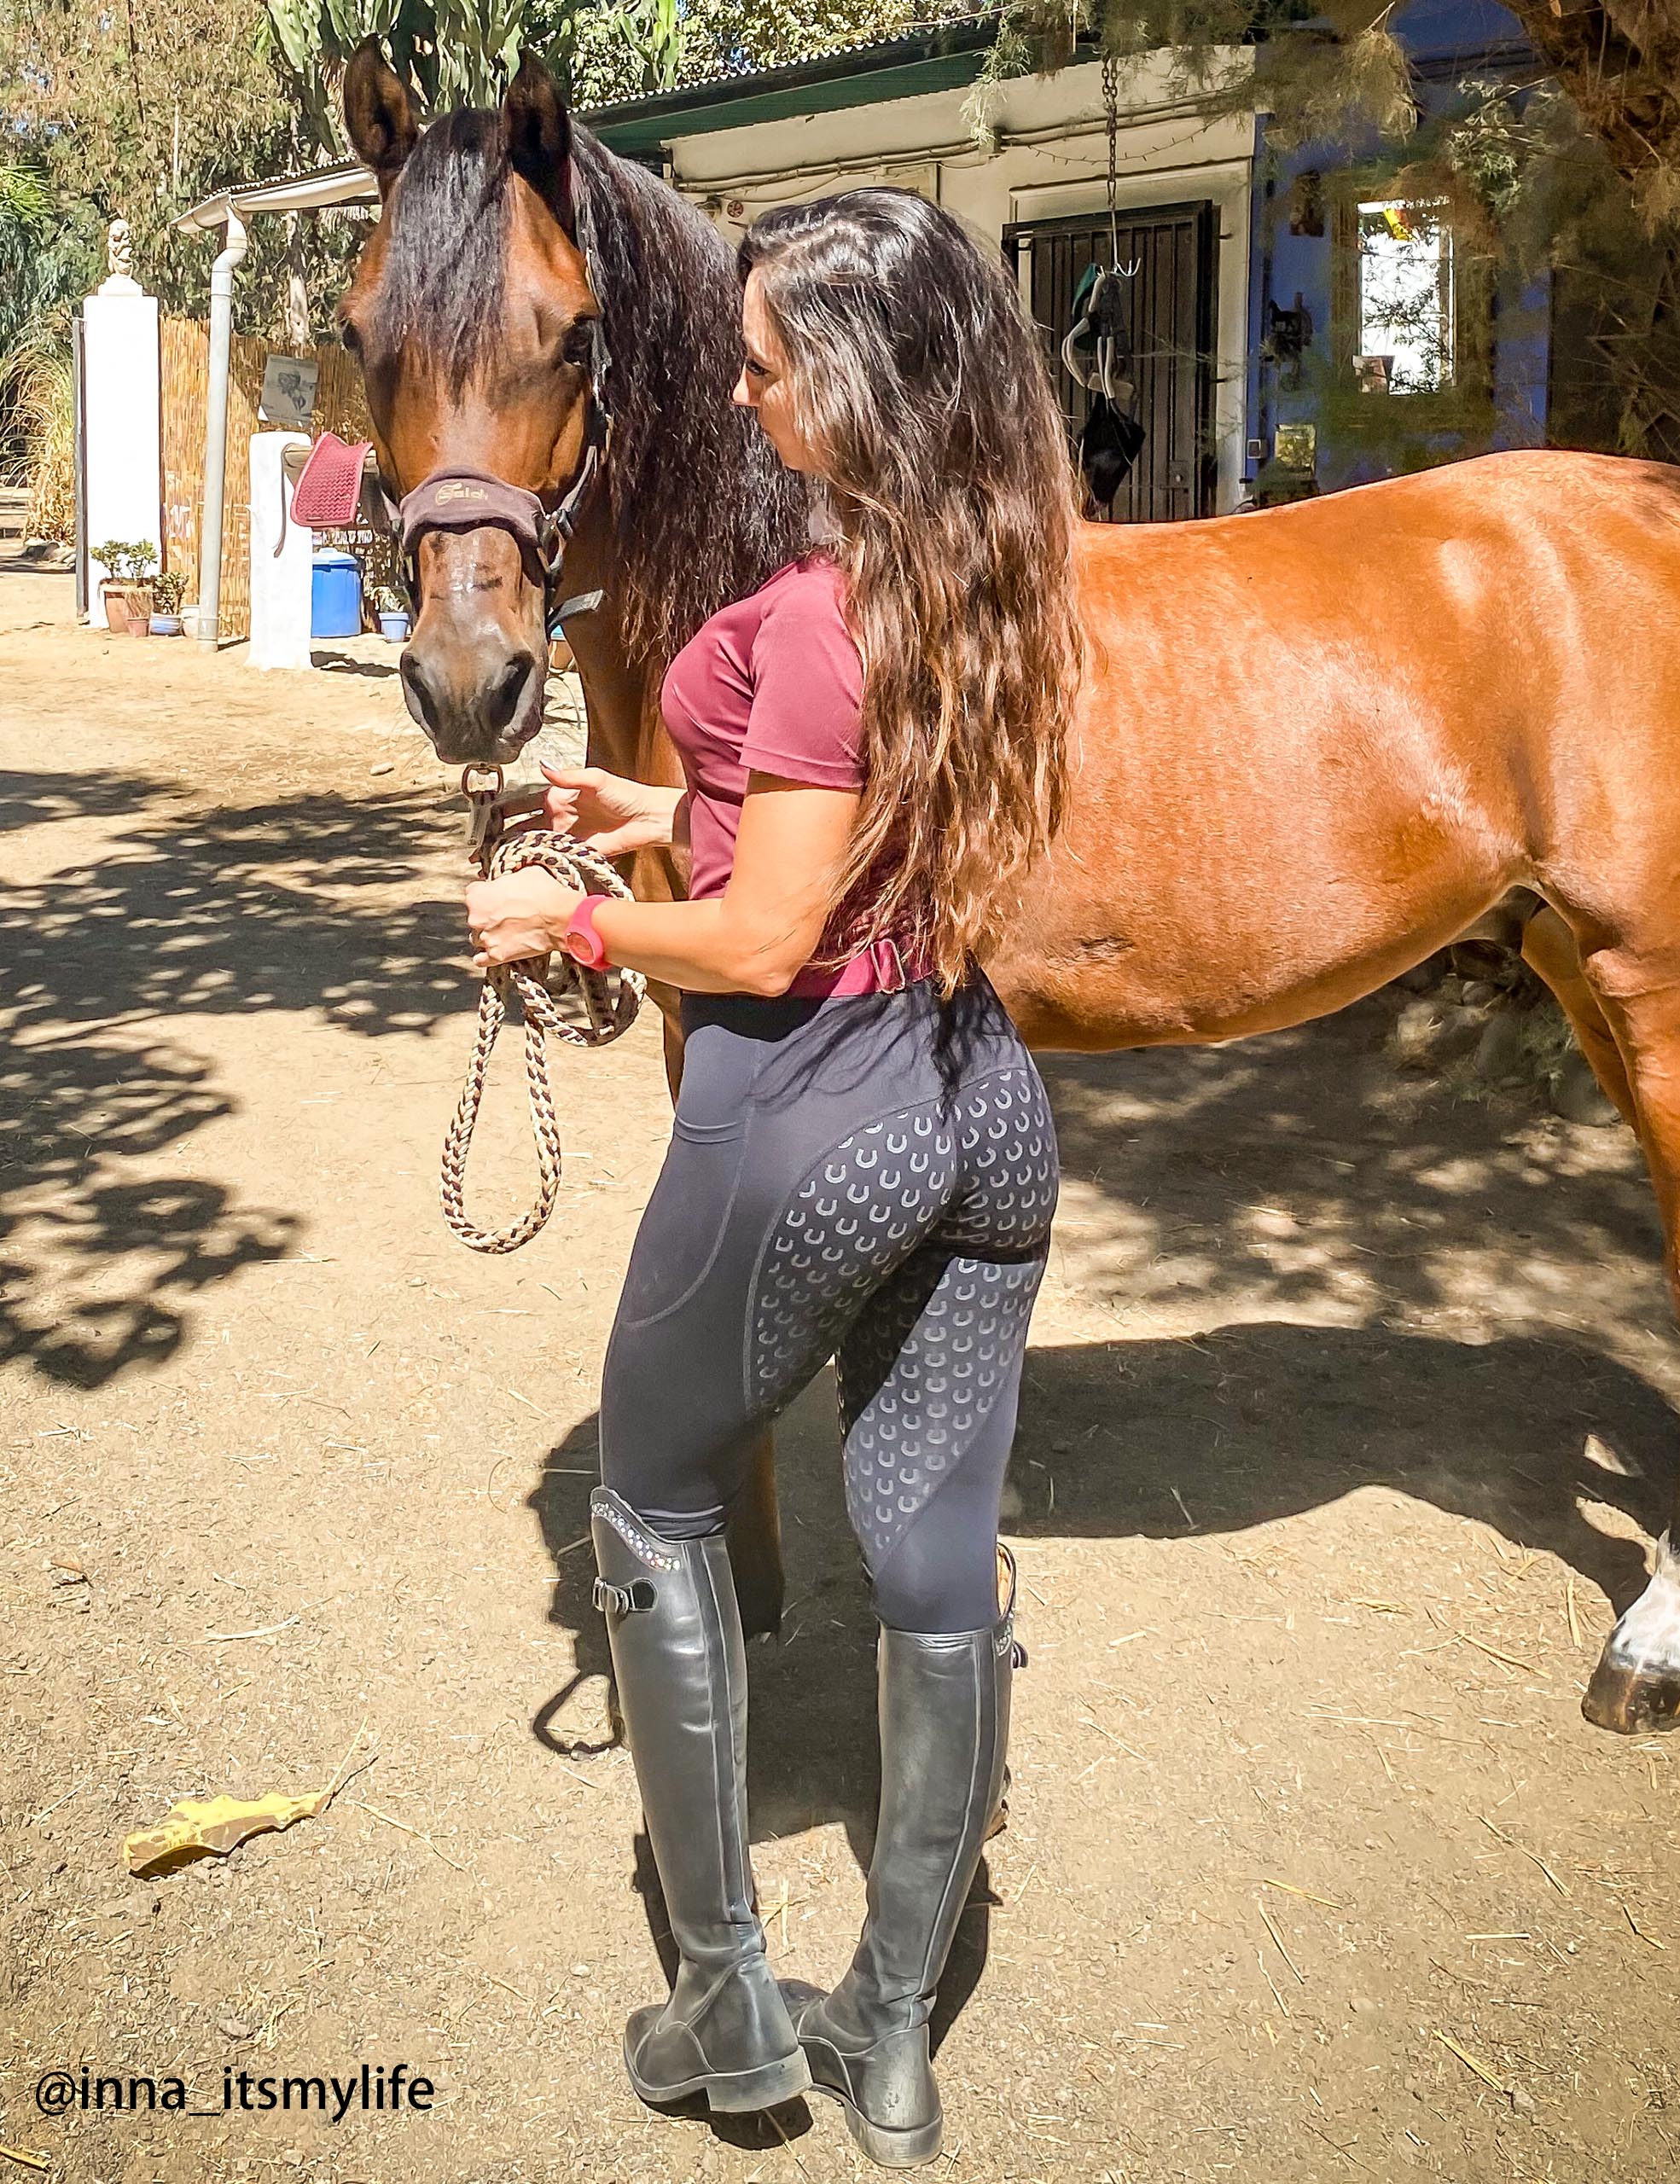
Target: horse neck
[{"x": 625, "y": 734}]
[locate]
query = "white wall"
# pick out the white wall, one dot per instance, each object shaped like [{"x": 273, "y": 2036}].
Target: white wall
[
  {"x": 1047, "y": 158},
  {"x": 280, "y": 582},
  {"x": 121, "y": 371}
]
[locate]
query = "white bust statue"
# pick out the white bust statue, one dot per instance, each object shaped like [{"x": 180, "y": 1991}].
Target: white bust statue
[{"x": 118, "y": 260}]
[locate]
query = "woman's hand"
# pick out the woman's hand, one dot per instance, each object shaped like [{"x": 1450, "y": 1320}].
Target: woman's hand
[
  {"x": 519, "y": 915},
  {"x": 603, "y": 811}
]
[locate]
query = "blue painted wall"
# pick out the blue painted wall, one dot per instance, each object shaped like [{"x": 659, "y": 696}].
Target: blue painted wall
[{"x": 1447, "y": 41}]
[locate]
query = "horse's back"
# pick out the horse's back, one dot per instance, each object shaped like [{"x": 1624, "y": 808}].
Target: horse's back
[{"x": 1530, "y": 492}]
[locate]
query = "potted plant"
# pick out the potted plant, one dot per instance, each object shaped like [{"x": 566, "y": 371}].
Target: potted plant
[
  {"x": 167, "y": 593},
  {"x": 393, "y": 612},
  {"x": 125, "y": 591},
  {"x": 143, "y": 560},
  {"x": 112, "y": 558}
]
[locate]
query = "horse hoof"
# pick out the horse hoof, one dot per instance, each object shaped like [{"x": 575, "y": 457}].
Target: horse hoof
[
  {"x": 1635, "y": 1687},
  {"x": 1628, "y": 1704},
  {"x": 759, "y": 1594}
]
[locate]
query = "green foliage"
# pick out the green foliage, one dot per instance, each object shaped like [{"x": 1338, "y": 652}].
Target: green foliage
[
  {"x": 139, "y": 112},
  {"x": 1534, "y": 191},
  {"x": 451, "y": 52},
  {"x": 48, "y": 253},
  {"x": 1578, "y": 178},
  {"x": 48, "y": 258},
  {"x": 127, "y": 560}
]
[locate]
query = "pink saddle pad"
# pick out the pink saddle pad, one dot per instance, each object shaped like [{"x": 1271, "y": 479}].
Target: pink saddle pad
[{"x": 329, "y": 489}]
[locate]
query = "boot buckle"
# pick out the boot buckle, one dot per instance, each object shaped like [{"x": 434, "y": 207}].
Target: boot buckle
[{"x": 623, "y": 1600}]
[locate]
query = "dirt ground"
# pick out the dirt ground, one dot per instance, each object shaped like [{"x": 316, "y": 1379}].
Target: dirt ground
[{"x": 1346, "y": 1423}]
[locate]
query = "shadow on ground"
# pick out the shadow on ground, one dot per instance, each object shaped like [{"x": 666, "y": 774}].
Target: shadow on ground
[
  {"x": 296, "y": 903},
  {"x": 347, "y": 663}
]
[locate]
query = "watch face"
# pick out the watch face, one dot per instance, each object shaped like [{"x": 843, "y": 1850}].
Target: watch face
[{"x": 583, "y": 940}]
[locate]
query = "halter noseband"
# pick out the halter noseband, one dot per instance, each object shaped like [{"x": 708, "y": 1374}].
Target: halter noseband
[{"x": 460, "y": 498}]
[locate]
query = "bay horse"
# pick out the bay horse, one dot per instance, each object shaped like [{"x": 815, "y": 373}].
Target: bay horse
[{"x": 1314, "y": 743}]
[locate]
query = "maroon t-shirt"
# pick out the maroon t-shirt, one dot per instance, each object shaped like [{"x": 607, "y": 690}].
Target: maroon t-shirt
[{"x": 772, "y": 684}]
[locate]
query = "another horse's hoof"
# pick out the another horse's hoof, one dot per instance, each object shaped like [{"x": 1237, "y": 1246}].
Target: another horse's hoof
[
  {"x": 761, "y": 1615},
  {"x": 1635, "y": 1687},
  {"x": 1630, "y": 1704}
]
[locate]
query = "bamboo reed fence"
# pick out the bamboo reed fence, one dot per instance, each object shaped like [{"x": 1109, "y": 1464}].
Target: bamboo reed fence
[{"x": 340, "y": 406}]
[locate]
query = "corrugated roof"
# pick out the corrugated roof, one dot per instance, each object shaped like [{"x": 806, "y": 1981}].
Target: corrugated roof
[
  {"x": 942, "y": 34},
  {"x": 886, "y": 50}
]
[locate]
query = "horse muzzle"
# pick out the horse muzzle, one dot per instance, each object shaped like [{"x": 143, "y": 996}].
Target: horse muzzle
[
  {"x": 478, "y": 700},
  {"x": 474, "y": 669}
]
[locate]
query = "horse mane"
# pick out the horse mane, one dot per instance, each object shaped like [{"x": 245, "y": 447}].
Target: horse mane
[
  {"x": 702, "y": 509},
  {"x": 445, "y": 258}
]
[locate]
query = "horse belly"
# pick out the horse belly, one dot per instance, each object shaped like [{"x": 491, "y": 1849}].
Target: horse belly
[{"x": 1238, "y": 866}]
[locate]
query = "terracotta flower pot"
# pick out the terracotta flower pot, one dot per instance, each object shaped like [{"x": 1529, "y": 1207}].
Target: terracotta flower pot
[{"x": 115, "y": 597}]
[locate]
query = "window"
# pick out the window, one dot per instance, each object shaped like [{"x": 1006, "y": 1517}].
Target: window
[{"x": 1405, "y": 331}]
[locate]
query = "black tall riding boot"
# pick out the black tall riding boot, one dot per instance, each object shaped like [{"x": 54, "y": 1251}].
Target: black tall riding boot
[
  {"x": 680, "y": 1667},
  {"x": 944, "y": 1728}
]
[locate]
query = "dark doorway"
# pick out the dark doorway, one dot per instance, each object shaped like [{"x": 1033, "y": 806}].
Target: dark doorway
[{"x": 1172, "y": 298}]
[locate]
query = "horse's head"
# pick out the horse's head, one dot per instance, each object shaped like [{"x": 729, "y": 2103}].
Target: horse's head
[{"x": 472, "y": 315}]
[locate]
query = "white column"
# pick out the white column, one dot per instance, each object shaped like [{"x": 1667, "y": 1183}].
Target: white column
[
  {"x": 122, "y": 371},
  {"x": 280, "y": 584}
]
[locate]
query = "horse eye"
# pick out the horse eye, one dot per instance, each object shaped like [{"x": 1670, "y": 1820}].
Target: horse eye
[
  {"x": 580, "y": 342},
  {"x": 347, "y": 334}
]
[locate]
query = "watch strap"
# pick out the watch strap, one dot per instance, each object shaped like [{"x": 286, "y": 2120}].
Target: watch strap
[{"x": 583, "y": 943}]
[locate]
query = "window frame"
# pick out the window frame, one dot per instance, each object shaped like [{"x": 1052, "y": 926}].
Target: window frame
[{"x": 1466, "y": 403}]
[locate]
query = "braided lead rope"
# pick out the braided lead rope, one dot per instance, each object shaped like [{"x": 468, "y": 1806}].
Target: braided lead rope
[{"x": 609, "y": 1001}]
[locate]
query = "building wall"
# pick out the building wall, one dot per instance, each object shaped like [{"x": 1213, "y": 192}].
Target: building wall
[
  {"x": 1046, "y": 157},
  {"x": 1359, "y": 438}
]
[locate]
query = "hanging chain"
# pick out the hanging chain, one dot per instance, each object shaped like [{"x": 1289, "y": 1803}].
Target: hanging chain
[{"x": 1111, "y": 103}]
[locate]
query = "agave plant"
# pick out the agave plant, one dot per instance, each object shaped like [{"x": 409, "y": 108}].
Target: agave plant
[{"x": 457, "y": 52}]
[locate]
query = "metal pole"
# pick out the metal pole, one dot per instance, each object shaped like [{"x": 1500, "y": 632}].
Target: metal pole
[
  {"x": 216, "y": 430},
  {"x": 79, "y": 381}
]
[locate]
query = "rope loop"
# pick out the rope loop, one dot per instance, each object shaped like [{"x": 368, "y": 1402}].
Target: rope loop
[{"x": 610, "y": 998}]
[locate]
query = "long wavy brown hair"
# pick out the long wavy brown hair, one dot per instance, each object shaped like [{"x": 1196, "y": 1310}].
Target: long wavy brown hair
[{"x": 946, "y": 471}]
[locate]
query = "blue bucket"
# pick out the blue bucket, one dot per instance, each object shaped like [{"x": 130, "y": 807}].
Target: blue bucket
[{"x": 334, "y": 594}]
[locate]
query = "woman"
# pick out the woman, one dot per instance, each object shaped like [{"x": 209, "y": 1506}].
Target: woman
[{"x": 863, "y": 1166}]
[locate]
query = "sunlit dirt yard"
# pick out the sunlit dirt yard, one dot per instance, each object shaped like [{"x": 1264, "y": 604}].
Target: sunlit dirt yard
[{"x": 1347, "y": 1422}]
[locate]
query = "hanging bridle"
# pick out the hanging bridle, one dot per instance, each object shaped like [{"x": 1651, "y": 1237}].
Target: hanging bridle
[{"x": 458, "y": 497}]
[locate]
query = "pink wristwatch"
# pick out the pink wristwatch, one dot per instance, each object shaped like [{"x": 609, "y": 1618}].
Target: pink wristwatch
[{"x": 581, "y": 940}]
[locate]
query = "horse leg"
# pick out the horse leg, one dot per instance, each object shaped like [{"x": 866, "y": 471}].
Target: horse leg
[
  {"x": 1549, "y": 950},
  {"x": 755, "y": 1544},
  {"x": 1635, "y": 1687}
]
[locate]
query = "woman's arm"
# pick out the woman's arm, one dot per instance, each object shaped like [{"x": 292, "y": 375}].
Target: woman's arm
[{"x": 753, "y": 940}]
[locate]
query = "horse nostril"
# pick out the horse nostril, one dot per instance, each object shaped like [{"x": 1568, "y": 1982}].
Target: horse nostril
[
  {"x": 503, "y": 698},
  {"x": 421, "y": 699}
]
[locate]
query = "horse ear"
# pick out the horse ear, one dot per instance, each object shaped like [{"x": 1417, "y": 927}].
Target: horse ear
[
  {"x": 536, "y": 131},
  {"x": 379, "y": 113}
]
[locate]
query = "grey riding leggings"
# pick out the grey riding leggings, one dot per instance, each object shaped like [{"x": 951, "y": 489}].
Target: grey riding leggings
[{"x": 868, "y": 1178}]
